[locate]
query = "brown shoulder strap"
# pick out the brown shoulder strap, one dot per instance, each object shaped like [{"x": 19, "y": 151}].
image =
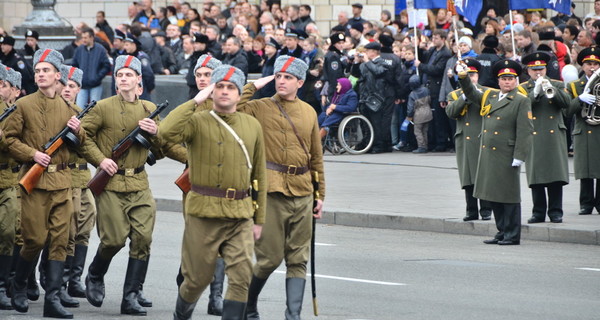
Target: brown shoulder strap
[{"x": 287, "y": 117}]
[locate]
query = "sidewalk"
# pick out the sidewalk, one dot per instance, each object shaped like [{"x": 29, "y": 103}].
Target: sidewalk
[{"x": 410, "y": 192}]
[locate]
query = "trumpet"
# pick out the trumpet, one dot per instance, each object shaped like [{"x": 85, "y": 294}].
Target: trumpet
[{"x": 547, "y": 87}]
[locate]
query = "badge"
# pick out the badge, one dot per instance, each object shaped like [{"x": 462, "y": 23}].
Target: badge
[
  {"x": 21, "y": 64},
  {"x": 335, "y": 65},
  {"x": 145, "y": 62},
  {"x": 529, "y": 115}
]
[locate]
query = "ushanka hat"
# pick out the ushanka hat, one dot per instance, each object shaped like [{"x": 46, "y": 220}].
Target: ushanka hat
[
  {"x": 64, "y": 73},
  {"x": 208, "y": 62},
  {"x": 229, "y": 73},
  {"x": 3, "y": 72},
  {"x": 75, "y": 74},
  {"x": 291, "y": 65},
  {"x": 51, "y": 56},
  {"x": 130, "y": 62},
  {"x": 7, "y": 40},
  {"x": 13, "y": 77}
]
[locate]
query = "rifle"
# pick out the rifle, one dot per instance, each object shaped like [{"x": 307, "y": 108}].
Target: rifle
[
  {"x": 32, "y": 177},
  {"x": 7, "y": 112},
  {"x": 100, "y": 180},
  {"x": 313, "y": 282}
]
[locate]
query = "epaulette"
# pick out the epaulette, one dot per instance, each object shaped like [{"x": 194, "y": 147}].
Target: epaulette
[
  {"x": 456, "y": 94},
  {"x": 522, "y": 90},
  {"x": 521, "y": 93},
  {"x": 574, "y": 89}
]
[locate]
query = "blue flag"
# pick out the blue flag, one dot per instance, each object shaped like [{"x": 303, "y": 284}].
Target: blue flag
[
  {"x": 469, "y": 9},
  {"x": 430, "y": 4},
  {"x": 562, "y": 6},
  {"x": 399, "y": 5}
]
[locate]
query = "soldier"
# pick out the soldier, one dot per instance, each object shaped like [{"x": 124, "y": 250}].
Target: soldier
[
  {"x": 133, "y": 47},
  {"x": 47, "y": 210},
  {"x": 12, "y": 59},
  {"x": 466, "y": 140},
  {"x": 199, "y": 42},
  {"x": 214, "y": 227},
  {"x": 547, "y": 166},
  {"x": 126, "y": 208},
  {"x": 293, "y": 147},
  {"x": 586, "y": 135},
  {"x": 505, "y": 144}
]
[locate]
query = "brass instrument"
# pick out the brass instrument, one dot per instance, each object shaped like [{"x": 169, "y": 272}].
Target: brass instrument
[
  {"x": 547, "y": 88},
  {"x": 591, "y": 112}
]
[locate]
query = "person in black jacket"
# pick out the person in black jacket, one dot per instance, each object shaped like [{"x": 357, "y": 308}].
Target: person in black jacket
[
  {"x": 333, "y": 67},
  {"x": 271, "y": 49},
  {"x": 393, "y": 80},
  {"x": 236, "y": 56},
  {"x": 166, "y": 55},
  {"x": 11, "y": 58},
  {"x": 487, "y": 58},
  {"x": 103, "y": 25},
  {"x": 199, "y": 42}
]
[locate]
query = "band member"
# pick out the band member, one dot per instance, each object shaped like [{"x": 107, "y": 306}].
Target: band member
[
  {"x": 47, "y": 210},
  {"x": 466, "y": 141},
  {"x": 506, "y": 137},
  {"x": 547, "y": 166},
  {"x": 215, "y": 227},
  {"x": 586, "y": 134},
  {"x": 293, "y": 150}
]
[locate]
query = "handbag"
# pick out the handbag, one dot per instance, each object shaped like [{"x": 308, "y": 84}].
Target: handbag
[{"x": 374, "y": 101}]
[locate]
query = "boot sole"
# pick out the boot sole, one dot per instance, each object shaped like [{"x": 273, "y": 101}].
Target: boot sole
[{"x": 58, "y": 316}]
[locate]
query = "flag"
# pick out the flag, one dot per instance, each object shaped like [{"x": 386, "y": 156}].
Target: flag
[
  {"x": 430, "y": 4},
  {"x": 399, "y": 6},
  {"x": 469, "y": 9},
  {"x": 562, "y": 6}
]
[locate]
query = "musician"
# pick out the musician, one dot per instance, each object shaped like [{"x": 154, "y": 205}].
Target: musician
[{"x": 586, "y": 134}]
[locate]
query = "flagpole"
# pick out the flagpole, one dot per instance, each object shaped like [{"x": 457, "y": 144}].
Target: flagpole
[
  {"x": 512, "y": 34},
  {"x": 415, "y": 29}
]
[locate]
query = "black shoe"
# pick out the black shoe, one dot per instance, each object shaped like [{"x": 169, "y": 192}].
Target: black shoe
[
  {"x": 256, "y": 286},
  {"x": 183, "y": 309},
  {"x": 94, "y": 282},
  {"x": 129, "y": 303},
  {"x": 19, "y": 299},
  {"x": 142, "y": 300},
  {"x": 76, "y": 288},
  {"x": 486, "y": 217},
  {"x": 508, "y": 243},
  {"x": 54, "y": 282},
  {"x": 469, "y": 218},
  {"x": 583, "y": 212},
  {"x": 535, "y": 220},
  {"x": 556, "y": 220},
  {"x": 234, "y": 310},
  {"x": 491, "y": 241},
  {"x": 294, "y": 289},
  {"x": 215, "y": 299}
]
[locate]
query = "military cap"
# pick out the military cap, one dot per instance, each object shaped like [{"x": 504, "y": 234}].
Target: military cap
[
  {"x": 273, "y": 43},
  {"x": 7, "y": 40},
  {"x": 588, "y": 54},
  {"x": 130, "y": 62},
  {"x": 373, "y": 45},
  {"x": 13, "y": 77},
  {"x": 473, "y": 66},
  {"x": 32, "y": 34},
  {"x": 199, "y": 37},
  {"x": 490, "y": 42},
  {"x": 208, "y": 62},
  {"x": 291, "y": 65},
  {"x": 386, "y": 40},
  {"x": 536, "y": 60},
  {"x": 48, "y": 55},
  {"x": 119, "y": 34},
  {"x": 357, "y": 26},
  {"x": 291, "y": 32},
  {"x": 357, "y": 5},
  {"x": 3, "y": 72},
  {"x": 229, "y": 73},
  {"x": 506, "y": 67},
  {"x": 75, "y": 74},
  {"x": 130, "y": 38},
  {"x": 337, "y": 37},
  {"x": 302, "y": 35}
]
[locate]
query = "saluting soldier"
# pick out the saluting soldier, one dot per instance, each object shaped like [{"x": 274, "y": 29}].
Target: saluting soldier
[
  {"x": 230, "y": 146},
  {"x": 466, "y": 141},
  {"x": 126, "y": 208},
  {"x": 547, "y": 166},
  {"x": 293, "y": 150},
  {"x": 586, "y": 135},
  {"x": 506, "y": 139},
  {"x": 47, "y": 210}
]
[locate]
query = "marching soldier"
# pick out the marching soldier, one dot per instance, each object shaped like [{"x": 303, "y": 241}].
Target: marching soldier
[
  {"x": 214, "y": 226},
  {"x": 586, "y": 134},
  {"x": 547, "y": 166},
  {"x": 466, "y": 140},
  {"x": 505, "y": 144},
  {"x": 293, "y": 150},
  {"x": 47, "y": 210}
]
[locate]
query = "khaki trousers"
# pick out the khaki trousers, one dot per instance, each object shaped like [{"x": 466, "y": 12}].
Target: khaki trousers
[
  {"x": 9, "y": 206},
  {"x": 123, "y": 215},
  {"x": 84, "y": 218},
  {"x": 18, "y": 235},
  {"x": 286, "y": 235},
  {"x": 203, "y": 240}
]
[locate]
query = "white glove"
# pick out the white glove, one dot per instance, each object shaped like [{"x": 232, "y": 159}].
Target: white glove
[
  {"x": 587, "y": 98},
  {"x": 461, "y": 67},
  {"x": 517, "y": 163},
  {"x": 464, "y": 97},
  {"x": 538, "y": 86}
]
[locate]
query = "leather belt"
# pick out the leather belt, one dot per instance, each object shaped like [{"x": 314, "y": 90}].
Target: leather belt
[
  {"x": 6, "y": 166},
  {"x": 230, "y": 194},
  {"x": 81, "y": 166},
  {"x": 56, "y": 167},
  {"x": 294, "y": 170},
  {"x": 130, "y": 172}
]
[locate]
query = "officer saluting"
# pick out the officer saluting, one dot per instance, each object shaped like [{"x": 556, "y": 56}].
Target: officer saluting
[
  {"x": 547, "y": 166},
  {"x": 505, "y": 143},
  {"x": 466, "y": 141}
]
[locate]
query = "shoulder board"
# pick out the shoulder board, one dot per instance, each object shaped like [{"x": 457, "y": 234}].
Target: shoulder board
[
  {"x": 456, "y": 94},
  {"x": 522, "y": 90},
  {"x": 522, "y": 94},
  {"x": 523, "y": 83}
]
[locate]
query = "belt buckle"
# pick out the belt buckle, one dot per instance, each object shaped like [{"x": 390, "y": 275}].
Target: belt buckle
[
  {"x": 129, "y": 172},
  {"x": 228, "y": 192},
  {"x": 290, "y": 171},
  {"x": 52, "y": 168}
]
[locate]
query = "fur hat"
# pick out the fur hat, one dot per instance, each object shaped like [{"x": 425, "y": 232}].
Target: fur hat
[
  {"x": 357, "y": 26},
  {"x": 130, "y": 62},
  {"x": 7, "y": 40},
  {"x": 207, "y": 61},
  {"x": 75, "y": 74},
  {"x": 199, "y": 37},
  {"x": 229, "y": 73},
  {"x": 3, "y": 72},
  {"x": 51, "y": 56},
  {"x": 64, "y": 74},
  {"x": 386, "y": 40},
  {"x": 13, "y": 77},
  {"x": 291, "y": 65},
  {"x": 490, "y": 42},
  {"x": 32, "y": 34},
  {"x": 337, "y": 37}
]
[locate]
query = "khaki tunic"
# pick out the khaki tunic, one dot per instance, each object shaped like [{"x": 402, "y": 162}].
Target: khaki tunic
[{"x": 9, "y": 203}]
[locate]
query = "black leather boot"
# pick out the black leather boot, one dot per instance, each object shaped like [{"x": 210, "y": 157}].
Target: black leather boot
[
  {"x": 143, "y": 301},
  {"x": 76, "y": 288},
  {"x": 65, "y": 299},
  {"x": 183, "y": 309},
  {"x": 294, "y": 289},
  {"x": 233, "y": 310},
  {"x": 19, "y": 299},
  {"x": 5, "y": 264},
  {"x": 94, "y": 282},
  {"x": 54, "y": 280},
  {"x": 129, "y": 303},
  {"x": 215, "y": 299},
  {"x": 33, "y": 290},
  {"x": 42, "y": 268},
  {"x": 13, "y": 267},
  {"x": 256, "y": 286}
]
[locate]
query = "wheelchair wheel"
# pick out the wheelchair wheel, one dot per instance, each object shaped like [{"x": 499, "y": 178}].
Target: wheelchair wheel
[
  {"x": 331, "y": 144},
  {"x": 355, "y": 134}
]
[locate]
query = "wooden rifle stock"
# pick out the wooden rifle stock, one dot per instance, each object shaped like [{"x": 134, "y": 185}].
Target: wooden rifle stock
[
  {"x": 7, "y": 112},
  {"x": 183, "y": 182}
]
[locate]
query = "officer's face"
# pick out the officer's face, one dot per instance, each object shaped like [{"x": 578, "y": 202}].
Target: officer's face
[
  {"x": 46, "y": 75},
  {"x": 129, "y": 47},
  {"x": 507, "y": 83},
  {"x": 535, "y": 74},
  {"x": 203, "y": 77},
  {"x": 70, "y": 91},
  {"x": 226, "y": 96},
  {"x": 589, "y": 67},
  {"x": 31, "y": 41},
  {"x": 287, "y": 85},
  {"x": 474, "y": 76},
  {"x": 291, "y": 43},
  {"x": 127, "y": 80},
  {"x": 6, "y": 48}
]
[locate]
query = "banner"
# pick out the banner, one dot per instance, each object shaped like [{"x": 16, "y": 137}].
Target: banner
[
  {"x": 431, "y": 4},
  {"x": 415, "y": 16},
  {"x": 469, "y": 9},
  {"x": 563, "y": 6}
]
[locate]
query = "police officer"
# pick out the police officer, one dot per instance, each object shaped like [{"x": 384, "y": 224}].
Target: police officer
[
  {"x": 214, "y": 227},
  {"x": 291, "y": 45},
  {"x": 333, "y": 67},
  {"x": 32, "y": 38},
  {"x": 586, "y": 137},
  {"x": 506, "y": 138},
  {"x": 466, "y": 140},
  {"x": 547, "y": 166},
  {"x": 12, "y": 59}
]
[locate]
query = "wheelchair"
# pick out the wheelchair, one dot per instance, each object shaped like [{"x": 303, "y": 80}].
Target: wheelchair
[{"x": 354, "y": 135}]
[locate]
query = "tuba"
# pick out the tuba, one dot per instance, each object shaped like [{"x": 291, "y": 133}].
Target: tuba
[{"x": 591, "y": 112}]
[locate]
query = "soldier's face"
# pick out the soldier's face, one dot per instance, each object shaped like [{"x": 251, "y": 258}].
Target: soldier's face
[
  {"x": 70, "y": 91},
  {"x": 507, "y": 83},
  {"x": 46, "y": 75},
  {"x": 589, "y": 67},
  {"x": 203, "y": 77},
  {"x": 287, "y": 85},
  {"x": 474, "y": 76},
  {"x": 127, "y": 80},
  {"x": 5, "y": 90},
  {"x": 535, "y": 74},
  {"x": 226, "y": 95}
]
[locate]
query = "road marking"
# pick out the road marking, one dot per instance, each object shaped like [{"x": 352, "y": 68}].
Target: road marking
[
  {"x": 325, "y": 244},
  {"x": 352, "y": 279},
  {"x": 589, "y": 269}
]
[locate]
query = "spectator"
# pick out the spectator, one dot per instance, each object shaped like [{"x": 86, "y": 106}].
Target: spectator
[
  {"x": 356, "y": 30},
  {"x": 254, "y": 59},
  {"x": 311, "y": 29},
  {"x": 166, "y": 55},
  {"x": 12, "y": 59},
  {"x": 133, "y": 47},
  {"x": 356, "y": 13},
  {"x": 147, "y": 16},
  {"x": 271, "y": 49},
  {"x": 149, "y": 46},
  {"x": 163, "y": 20},
  {"x": 93, "y": 61},
  {"x": 584, "y": 38},
  {"x": 343, "y": 21},
  {"x": 406, "y": 144},
  {"x": 224, "y": 29},
  {"x": 103, "y": 25},
  {"x": 492, "y": 28},
  {"x": 419, "y": 111},
  {"x": 266, "y": 18},
  {"x": 525, "y": 44},
  {"x": 184, "y": 56},
  {"x": 386, "y": 18},
  {"x": 291, "y": 45},
  {"x": 213, "y": 46},
  {"x": 280, "y": 36},
  {"x": 596, "y": 14},
  {"x": 304, "y": 16},
  {"x": 171, "y": 15},
  {"x": 199, "y": 42},
  {"x": 174, "y": 39},
  {"x": 293, "y": 13},
  {"x": 441, "y": 20},
  {"x": 132, "y": 12},
  {"x": 556, "y": 51},
  {"x": 69, "y": 50},
  {"x": 487, "y": 58},
  {"x": 344, "y": 101},
  {"x": 182, "y": 16},
  {"x": 569, "y": 34},
  {"x": 236, "y": 56},
  {"x": 214, "y": 11}
]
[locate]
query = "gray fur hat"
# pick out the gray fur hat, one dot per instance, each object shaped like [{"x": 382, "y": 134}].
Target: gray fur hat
[
  {"x": 64, "y": 74},
  {"x": 13, "y": 77},
  {"x": 207, "y": 61},
  {"x": 48, "y": 55},
  {"x": 291, "y": 65},
  {"x": 229, "y": 73},
  {"x": 75, "y": 74},
  {"x": 130, "y": 62},
  {"x": 3, "y": 72}
]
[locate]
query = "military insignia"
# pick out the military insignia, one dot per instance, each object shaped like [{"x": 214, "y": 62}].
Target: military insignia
[
  {"x": 506, "y": 62},
  {"x": 335, "y": 65},
  {"x": 464, "y": 111},
  {"x": 21, "y": 64},
  {"x": 29, "y": 33},
  {"x": 485, "y": 110},
  {"x": 529, "y": 115},
  {"x": 145, "y": 62},
  {"x": 507, "y": 70},
  {"x": 1, "y": 39}
]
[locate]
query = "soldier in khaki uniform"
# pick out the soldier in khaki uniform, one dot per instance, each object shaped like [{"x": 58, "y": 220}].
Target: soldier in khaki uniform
[
  {"x": 586, "y": 137},
  {"x": 466, "y": 141},
  {"x": 505, "y": 144},
  {"x": 220, "y": 218},
  {"x": 288, "y": 226},
  {"x": 126, "y": 208},
  {"x": 46, "y": 212},
  {"x": 547, "y": 166}
]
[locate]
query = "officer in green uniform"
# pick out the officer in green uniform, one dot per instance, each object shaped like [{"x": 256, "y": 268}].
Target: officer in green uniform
[
  {"x": 547, "y": 165},
  {"x": 220, "y": 218},
  {"x": 586, "y": 136},
  {"x": 126, "y": 208},
  {"x": 506, "y": 136},
  {"x": 466, "y": 141}
]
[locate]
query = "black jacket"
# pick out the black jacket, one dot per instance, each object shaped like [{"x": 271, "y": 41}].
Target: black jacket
[
  {"x": 434, "y": 69},
  {"x": 333, "y": 69},
  {"x": 238, "y": 60},
  {"x": 17, "y": 62}
]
